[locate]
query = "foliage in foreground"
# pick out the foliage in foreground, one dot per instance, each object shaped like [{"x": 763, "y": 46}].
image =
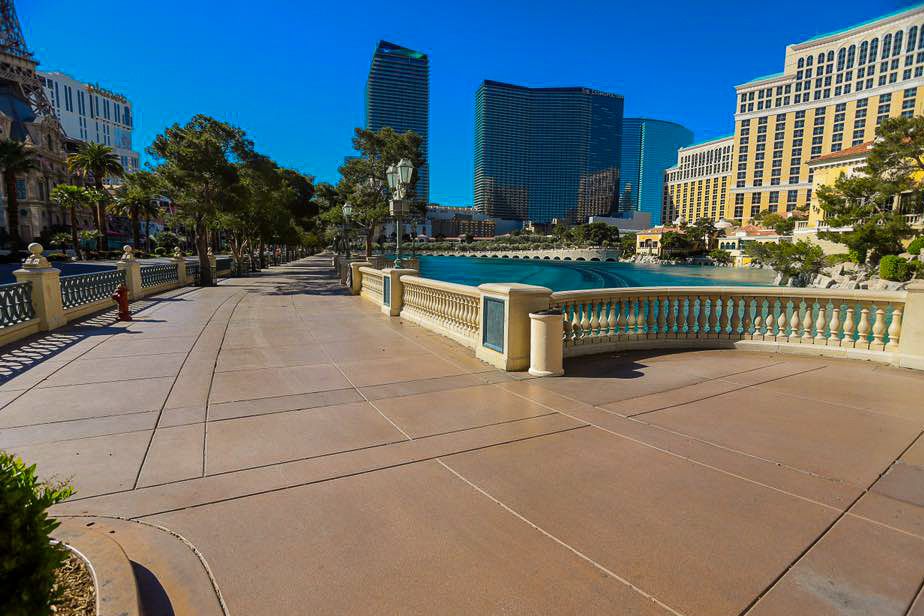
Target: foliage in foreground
[
  {"x": 800, "y": 259},
  {"x": 27, "y": 558},
  {"x": 895, "y": 268}
]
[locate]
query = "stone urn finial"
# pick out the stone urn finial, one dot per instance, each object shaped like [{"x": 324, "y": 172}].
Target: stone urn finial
[
  {"x": 128, "y": 253},
  {"x": 36, "y": 259},
  {"x": 177, "y": 253},
  {"x": 209, "y": 251}
]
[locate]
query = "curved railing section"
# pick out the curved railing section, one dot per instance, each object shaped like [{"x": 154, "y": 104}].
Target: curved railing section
[
  {"x": 87, "y": 288},
  {"x": 373, "y": 285},
  {"x": 16, "y": 303},
  {"x": 603, "y": 319},
  {"x": 450, "y": 309},
  {"x": 154, "y": 275}
]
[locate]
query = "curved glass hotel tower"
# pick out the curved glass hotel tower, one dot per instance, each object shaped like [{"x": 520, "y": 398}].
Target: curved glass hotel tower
[
  {"x": 546, "y": 153},
  {"x": 648, "y": 148},
  {"x": 398, "y": 95}
]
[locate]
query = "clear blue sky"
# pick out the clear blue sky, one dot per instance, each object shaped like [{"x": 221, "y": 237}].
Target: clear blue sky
[{"x": 292, "y": 74}]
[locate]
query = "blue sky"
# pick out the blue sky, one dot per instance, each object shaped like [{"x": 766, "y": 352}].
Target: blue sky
[{"x": 292, "y": 74}]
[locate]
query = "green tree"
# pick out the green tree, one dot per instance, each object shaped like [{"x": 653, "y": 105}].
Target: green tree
[
  {"x": 781, "y": 225},
  {"x": 197, "y": 164},
  {"x": 720, "y": 256},
  {"x": 865, "y": 201},
  {"x": 136, "y": 193},
  {"x": 100, "y": 162},
  {"x": 627, "y": 243},
  {"x": 799, "y": 260},
  {"x": 363, "y": 180},
  {"x": 71, "y": 198},
  {"x": 16, "y": 158}
]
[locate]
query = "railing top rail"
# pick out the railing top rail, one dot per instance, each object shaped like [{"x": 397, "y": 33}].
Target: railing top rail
[
  {"x": 451, "y": 287},
  {"x": 372, "y": 271},
  {"x": 589, "y": 294}
]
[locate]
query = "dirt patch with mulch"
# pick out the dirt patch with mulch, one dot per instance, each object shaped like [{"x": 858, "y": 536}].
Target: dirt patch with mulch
[{"x": 79, "y": 591}]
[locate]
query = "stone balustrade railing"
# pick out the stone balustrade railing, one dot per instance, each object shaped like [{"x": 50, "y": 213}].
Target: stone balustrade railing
[
  {"x": 831, "y": 321},
  {"x": 373, "y": 283},
  {"x": 450, "y": 309},
  {"x": 515, "y": 326}
]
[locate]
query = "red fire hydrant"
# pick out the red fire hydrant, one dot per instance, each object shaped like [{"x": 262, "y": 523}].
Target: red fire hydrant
[{"x": 121, "y": 298}]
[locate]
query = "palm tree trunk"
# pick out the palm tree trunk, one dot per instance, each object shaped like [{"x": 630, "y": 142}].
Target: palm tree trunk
[
  {"x": 202, "y": 244},
  {"x": 102, "y": 243},
  {"x": 12, "y": 211},
  {"x": 74, "y": 240},
  {"x": 147, "y": 233},
  {"x": 136, "y": 228}
]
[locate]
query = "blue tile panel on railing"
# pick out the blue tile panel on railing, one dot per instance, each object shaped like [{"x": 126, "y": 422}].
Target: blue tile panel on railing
[
  {"x": 16, "y": 303},
  {"x": 86, "y": 288},
  {"x": 153, "y": 275}
]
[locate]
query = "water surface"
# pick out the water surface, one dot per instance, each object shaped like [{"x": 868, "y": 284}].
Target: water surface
[{"x": 572, "y": 275}]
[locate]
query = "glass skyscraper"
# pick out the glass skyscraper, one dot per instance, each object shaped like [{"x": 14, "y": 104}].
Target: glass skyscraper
[
  {"x": 544, "y": 153},
  {"x": 398, "y": 95},
  {"x": 648, "y": 148}
]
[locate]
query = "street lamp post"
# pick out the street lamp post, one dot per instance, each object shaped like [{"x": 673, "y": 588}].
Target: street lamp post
[
  {"x": 347, "y": 210},
  {"x": 399, "y": 179}
]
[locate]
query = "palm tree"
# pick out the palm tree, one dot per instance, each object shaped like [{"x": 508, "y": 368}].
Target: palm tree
[
  {"x": 134, "y": 197},
  {"x": 71, "y": 198},
  {"x": 15, "y": 159},
  {"x": 99, "y": 161},
  {"x": 150, "y": 209}
]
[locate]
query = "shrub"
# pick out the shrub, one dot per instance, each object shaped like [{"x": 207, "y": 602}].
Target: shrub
[
  {"x": 160, "y": 251},
  {"x": 57, "y": 256},
  {"x": 27, "y": 557},
  {"x": 916, "y": 245},
  {"x": 895, "y": 268},
  {"x": 838, "y": 259}
]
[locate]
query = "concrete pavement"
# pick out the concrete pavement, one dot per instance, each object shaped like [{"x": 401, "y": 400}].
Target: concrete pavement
[{"x": 318, "y": 457}]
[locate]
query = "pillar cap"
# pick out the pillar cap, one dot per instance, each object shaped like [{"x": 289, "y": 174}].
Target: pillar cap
[{"x": 36, "y": 259}]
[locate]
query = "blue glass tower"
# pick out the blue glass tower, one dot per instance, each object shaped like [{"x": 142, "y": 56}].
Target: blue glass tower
[
  {"x": 544, "y": 153},
  {"x": 648, "y": 148},
  {"x": 398, "y": 95}
]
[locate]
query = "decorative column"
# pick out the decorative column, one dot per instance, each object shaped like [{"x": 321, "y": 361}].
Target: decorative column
[
  {"x": 393, "y": 290},
  {"x": 504, "y": 334},
  {"x": 46, "y": 288},
  {"x": 132, "y": 272},
  {"x": 180, "y": 262},
  {"x": 911, "y": 328},
  {"x": 356, "y": 276},
  {"x": 545, "y": 343},
  {"x": 212, "y": 265}
]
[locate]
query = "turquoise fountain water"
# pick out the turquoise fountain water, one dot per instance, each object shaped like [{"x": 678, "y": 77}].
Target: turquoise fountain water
[{"x": 572, "y": 275}]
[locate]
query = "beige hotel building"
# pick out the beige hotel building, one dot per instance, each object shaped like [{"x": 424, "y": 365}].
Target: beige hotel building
[{"x": 835, "y": 89}]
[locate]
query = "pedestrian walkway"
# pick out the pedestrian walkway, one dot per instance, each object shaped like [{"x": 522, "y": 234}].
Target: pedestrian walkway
[{"x": 324, "y": 458}]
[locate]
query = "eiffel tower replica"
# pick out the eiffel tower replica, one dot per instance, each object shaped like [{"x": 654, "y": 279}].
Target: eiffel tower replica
[
  {"x": 27, "y": 115},
  {"x": 17, "y": 65}
]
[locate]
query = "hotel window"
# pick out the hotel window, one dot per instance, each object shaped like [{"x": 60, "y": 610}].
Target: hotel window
[
  {"x": 912, "y": 36},
  {"x": 886, "y": 46},
  {"x": 755, "y": 204},
  {"x": 898, "y": 43},
  {"x": 873, "y": 47},
  {"x": 791, "y": 197},
  {"x": 841, "y": 58},
  {"x": 739, "y": 204}
]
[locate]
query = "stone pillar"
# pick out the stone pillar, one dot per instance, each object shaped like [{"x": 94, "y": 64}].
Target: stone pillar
[
  {"x": 356, "y": 276},
  {"x": 46, "y": 288},
  {"x": 212, "y": 265},
  {"x": 181, "y": 276},
  {"x": 545, "y": 343},
  {"x": 132, "y": 272},
  {"x": 394, "y": 290},
  {"x": 503, "y": 337},
  {"x": 911, "y": 339}
]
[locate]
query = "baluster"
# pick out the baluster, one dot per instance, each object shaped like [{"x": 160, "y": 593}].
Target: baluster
[
  {"x": 594, "y": 319},
  {"x": 620, "y": 319},
  {"x": 631, "y": 319},
  {"x": 701, "y": 318},
  {"x": 781, "y": 321},
  {"x": 585, "y": 321},
  {"x": 807, "y": 321},
  {"x": 713, "y": 316},
  {"x": 611, "y": 318},
  {"x": 834, "y": 325},
  {"x": 671, "y": 317},
  {"x": 652, "y": 319},
  {"x": 662, "y": 316},
  {"x": 895, "y": 328},
  {"x": 566, "y": 322},
  {"x": 795, "y": 322},
  {"x": 724, "y": 321},
  {"x": 879, "y": 328},
  {"x": 821, "y": 321},
  {"x": 862, "y": 341},
  {"x": 691, "y": 316},
  {"x": 758, "y": 333},
  {"x": 849, "y": 328}
]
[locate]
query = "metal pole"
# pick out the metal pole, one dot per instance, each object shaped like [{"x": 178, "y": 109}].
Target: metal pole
[
  {"x": 398, "y": 233},
  {"x": 346, "y": 235}
]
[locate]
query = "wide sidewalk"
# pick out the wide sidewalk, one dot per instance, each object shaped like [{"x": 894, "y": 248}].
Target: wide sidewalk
[{"x": 324, "y": 458}]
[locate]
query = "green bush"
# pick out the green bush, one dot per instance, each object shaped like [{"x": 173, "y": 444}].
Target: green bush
[
  {"x": 895, "y": 268},
  {"x": 838, "y": 259},
  {"x": 916, "y": 245},
  {"x": 160, "y": 251},
  {"x": 27, "y": 557},
  {"x": 58, "y": 256}
]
